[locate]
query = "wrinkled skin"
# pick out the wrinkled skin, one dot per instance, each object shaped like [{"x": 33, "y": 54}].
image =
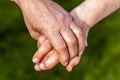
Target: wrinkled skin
[
  {"x": 68, "y": 40},
  {"x": 44, "y": 18},
  {"x": 53, "y": 19},
  {"x": 52, "y": 57}
]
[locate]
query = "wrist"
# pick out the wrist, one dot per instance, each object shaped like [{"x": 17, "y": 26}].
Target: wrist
[
  {"x": 85, "y": 12},
  {"x": 81, "y": 23},
  {"x": 92, "y": 11}
]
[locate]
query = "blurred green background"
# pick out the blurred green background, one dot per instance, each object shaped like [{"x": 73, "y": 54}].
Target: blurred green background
[{"x": 100, "y": 61}]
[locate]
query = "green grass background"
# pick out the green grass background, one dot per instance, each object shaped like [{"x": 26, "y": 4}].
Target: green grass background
[{"x": 100, "y": 61}]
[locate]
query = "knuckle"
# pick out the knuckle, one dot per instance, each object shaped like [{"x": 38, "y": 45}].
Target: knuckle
[
  {"x": 61, "y": 47},
  {"x": 53, "y": 29},
  {"x": 64, "y": 58},
  {"x": 64, "y": 62},
  {"x": 73, "y": 56},
  {"x": 72, "y": 43},
  {"x": 79, "y": 31},
  {"x": 77, "y": 60}
]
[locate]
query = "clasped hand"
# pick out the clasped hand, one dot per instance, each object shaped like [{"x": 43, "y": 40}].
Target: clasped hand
[{"x": 61, "y": 37}]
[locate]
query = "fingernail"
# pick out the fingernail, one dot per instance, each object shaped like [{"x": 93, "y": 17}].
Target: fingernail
[
  {"x": 37, "y": 68},
  {"x": 86, "y": 43},
  {"x": 42, "y": 66},
  {"x": 70, "y": 69},
  {"x": 35, "y": 60}
]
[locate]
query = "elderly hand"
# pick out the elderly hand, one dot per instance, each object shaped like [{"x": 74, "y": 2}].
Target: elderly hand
[
  {"x": 80, "y": 13},
  {"x": 51, "y": 59},
  {"x": 37, "y": 23},
  {"x": 53, "y": 22},
  {"x": 52, "y": 56}
]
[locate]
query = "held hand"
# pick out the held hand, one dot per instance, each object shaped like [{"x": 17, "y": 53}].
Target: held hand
[
  {"x": 51, "y": 58},
  {"x": 46, "y": 48},
  {"x": 48, "y": 19},
  {"x": 40, "y": 24}
]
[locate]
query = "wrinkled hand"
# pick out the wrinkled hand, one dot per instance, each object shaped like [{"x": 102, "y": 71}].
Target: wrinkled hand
[
  {"x": 48, "y": 19},
  {"x": 53, "y": 22},
  {"x": 51, "y": 59},
  {"x": 52, "y": 56}
]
